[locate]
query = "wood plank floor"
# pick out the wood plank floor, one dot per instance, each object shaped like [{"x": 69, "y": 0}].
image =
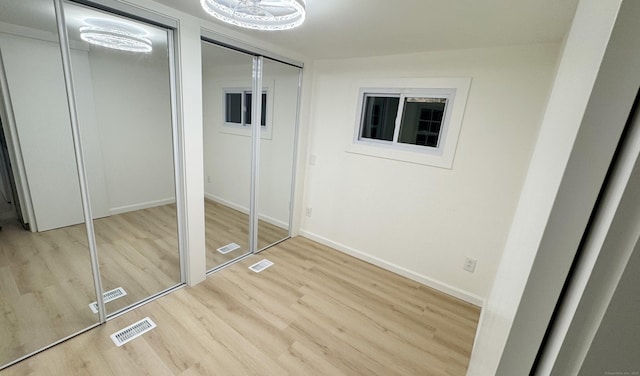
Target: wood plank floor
[
  {"x": 46, "y": 283},
  {"x": 315, "y": 312},
  {"x": 225, "y": 225}
]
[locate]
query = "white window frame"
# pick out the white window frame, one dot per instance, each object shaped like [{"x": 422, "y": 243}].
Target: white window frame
[
  {"x": 455, "y": 90},
  {"x": 243, "y": 91},
  {"x": 403, "y": 94},
  {"x": 243, "y": 128}
]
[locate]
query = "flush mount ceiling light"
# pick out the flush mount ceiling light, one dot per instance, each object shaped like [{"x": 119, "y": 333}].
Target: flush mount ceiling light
[
  {"x": 116, "y": 35},
  {"x": 258, "y": 14}
]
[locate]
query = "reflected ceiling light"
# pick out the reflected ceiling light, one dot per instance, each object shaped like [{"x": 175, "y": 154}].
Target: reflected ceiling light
[
  {"x": 115, "y": 35},
  {"x": 258, "y": 14}
]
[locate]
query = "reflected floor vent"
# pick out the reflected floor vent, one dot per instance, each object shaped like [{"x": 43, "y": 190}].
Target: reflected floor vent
[
  {"x": 108, "y": 296},
  {"x": 261, "y": 265},
  {"x": 132, "y": 331},
  {"x": 228, "y": 248}
]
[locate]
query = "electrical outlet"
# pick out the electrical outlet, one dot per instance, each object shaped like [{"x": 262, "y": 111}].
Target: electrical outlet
[
  {"x": 208, "y": 179},
  {"x": 308, "y": 212},
  {"x": 469, "y": 264},
  {"x": 312, "y": 159}
]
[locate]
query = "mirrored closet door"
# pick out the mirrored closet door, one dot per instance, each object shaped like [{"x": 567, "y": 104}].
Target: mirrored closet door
[
  {"x": 46, "y": 280},
  {"x": 277, "y": 151},
  {"x": 88, "y": 132},
  {"x": 227, "y": 95},
  {"x": 250, "y": 106},
  {"x": 124, "y": 99}
]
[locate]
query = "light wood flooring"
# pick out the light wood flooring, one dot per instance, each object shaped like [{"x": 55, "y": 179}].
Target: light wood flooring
[
  {"x": 315, "y": 312},
  {"x": 46, "y": 283},
  {"x": 225, "y": 225}
]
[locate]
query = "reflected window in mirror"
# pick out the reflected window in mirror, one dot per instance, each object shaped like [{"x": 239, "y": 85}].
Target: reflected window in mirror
[{"x": 238, "y": 108}]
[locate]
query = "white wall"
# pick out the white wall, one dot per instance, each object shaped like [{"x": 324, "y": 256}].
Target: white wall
[
  {"x": 127, "y": 143},
  {"x": 13, "y": 147},
  {"x": 38, "y": 100},
  {"x": 133, "y": 111},
  {"x": 227, "y": 156},
  {"x": 277, "y": 152},
  {"x": 589, "y": 105},
  {"x": 611, "y": 239},
  {"x": 419, "y": 220}
]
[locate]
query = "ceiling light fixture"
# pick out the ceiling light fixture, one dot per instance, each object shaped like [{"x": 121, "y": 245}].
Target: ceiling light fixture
[
  {"x": 258, "y": 14},
  {"x": 115, "y": 36}
]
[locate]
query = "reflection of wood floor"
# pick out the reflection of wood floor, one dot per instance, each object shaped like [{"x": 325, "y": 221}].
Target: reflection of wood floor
[
  {"x": 225, "y": 225},
  {"x": 46, "y": 283},
  {"x": 315, "y": 312}
]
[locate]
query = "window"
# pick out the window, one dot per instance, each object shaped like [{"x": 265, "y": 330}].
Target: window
[
  {"x": 409, "y": 119},
  {"x": 405, "y": 118},
  {"x": 379, "y": 117},
  {"x": 238, "y": 108}
]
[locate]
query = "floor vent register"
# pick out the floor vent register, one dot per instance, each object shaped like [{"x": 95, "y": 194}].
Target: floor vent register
[
  {"x": 108, "y": 296},
  {"x": 132, "y": 331},
  {"x": 261, "y": 265}
]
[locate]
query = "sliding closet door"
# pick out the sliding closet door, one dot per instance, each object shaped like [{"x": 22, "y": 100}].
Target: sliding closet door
[
  {"x": 122, "y": 79},
  {"x": 277, "y": 149},
  {"x": 227, "y": 96},
  {"x": 46, "y": 282}
]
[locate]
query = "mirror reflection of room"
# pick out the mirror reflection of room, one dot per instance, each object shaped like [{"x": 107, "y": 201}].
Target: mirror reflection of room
[
  {"x": 229, "y": 152},
  {"x": 124, "y": 109},
  {"x": 276, "y": 158},
  {"x": 124, "y": 103},
  {"x": 226, "y": 90}
]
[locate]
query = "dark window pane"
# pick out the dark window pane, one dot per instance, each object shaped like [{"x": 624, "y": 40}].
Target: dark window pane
[
  {"x": 379, "y": 117},
  {"x": 422, "y": 121},
  {"x": 247, "y": 116},
  {"x": 247, "y": 108},
  {"x": 263, "y": 118},
  {"x": 233, "y": 111}
]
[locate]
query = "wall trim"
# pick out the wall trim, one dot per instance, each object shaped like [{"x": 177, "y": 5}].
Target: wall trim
[
  {"x": 427, "y": 281},
  {"x": 245, "y": 210},
  {"x": 232, "y": 205},
  {"x": 142, "y": 205}
]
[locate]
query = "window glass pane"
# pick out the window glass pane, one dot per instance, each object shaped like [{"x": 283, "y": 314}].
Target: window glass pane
[
  {"x": 379, "y": 117},
  {"x": 422, "y": 121},
  {"x": 263, "y": 117},
  {"x": 247, "y": 107},
  {"x": 233, "y": 104}
]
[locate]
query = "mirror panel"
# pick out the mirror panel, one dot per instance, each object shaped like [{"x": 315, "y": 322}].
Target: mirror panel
[
  {"x": 227, "y": 93},
  {"x": 277, "y": 148},
  {"x": 46, "y": 283},
  {"x": 123, "y": 94}
]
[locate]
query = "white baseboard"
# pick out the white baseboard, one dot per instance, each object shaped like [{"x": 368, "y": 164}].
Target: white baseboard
[
  {"x": 274, "y": 221},
  {"x": 142, "y": 205},
  {"x": 232, "y": 205},
  {"x": 245, "y": 210},
  {"x": 427, "y": 281}
]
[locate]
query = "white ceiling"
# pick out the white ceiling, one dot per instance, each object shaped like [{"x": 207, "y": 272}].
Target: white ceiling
[{"x": 351, "y": 28}]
